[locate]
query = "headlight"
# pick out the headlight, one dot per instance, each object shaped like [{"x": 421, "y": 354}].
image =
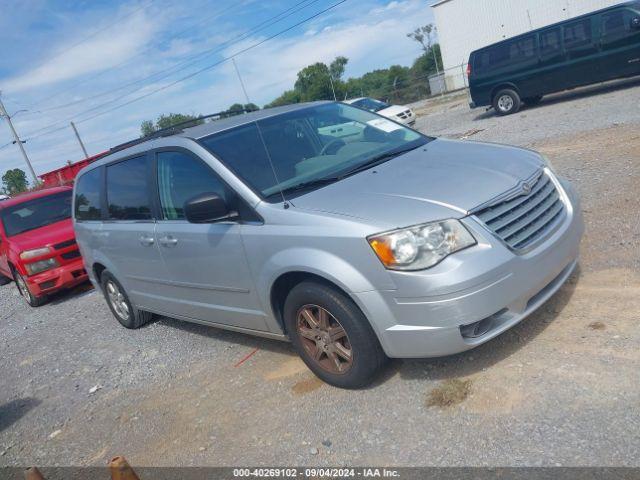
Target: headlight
[
  {"x": 41, "y": 266},
  {"x": 38, "y": 252},
  {"x": 422, "y": 246}
]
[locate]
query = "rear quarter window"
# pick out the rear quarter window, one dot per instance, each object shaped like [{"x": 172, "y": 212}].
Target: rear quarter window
[
  {"x": 87, "y": 199},
  {"x": 128, "y": 190}
]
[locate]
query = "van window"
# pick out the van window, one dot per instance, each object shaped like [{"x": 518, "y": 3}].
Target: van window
[
  {"x": 88, "y": 188},
  {"x": 616, "y": 24},
  {"x": 577, "y": 34},
  {"x": 507, "y": 53},
  {"x": 243, "y": 151},
  {"x": 128, "y": 190},
  {"x": 181, "y": 177},
  {"x": 550, "y": 43}
]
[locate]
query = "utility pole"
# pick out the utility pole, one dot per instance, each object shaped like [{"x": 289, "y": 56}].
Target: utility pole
[
  {"x": 75, "y": 130},
  {"x": 4, "y": 114}
]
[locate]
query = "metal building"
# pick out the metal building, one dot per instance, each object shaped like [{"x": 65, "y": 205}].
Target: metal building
[{"x": 466, "y": 25}]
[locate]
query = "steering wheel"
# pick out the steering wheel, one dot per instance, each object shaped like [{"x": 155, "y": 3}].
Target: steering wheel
[{"x": 337, "y": 142}]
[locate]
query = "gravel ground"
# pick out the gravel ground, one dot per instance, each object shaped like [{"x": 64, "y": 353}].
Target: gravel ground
[{"x": 559, "y": 389}]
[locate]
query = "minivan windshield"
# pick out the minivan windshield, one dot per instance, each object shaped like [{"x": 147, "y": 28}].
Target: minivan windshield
[
  {"x": 36, "y": 213},
  {"x": 299, "y": 151}
]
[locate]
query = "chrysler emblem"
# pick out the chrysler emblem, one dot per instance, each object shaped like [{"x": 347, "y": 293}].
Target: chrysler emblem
[{"x": 526, "y": 189}]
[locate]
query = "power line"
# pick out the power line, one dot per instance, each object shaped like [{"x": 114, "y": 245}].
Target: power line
[
  {"x": 126, "y": 62},
  {"x": 183, "y": 65}
]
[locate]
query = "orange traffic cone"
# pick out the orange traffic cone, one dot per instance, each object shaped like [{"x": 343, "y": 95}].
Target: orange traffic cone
[
  {"x": 121, "y": 470},
  {"x": 33, "y": 473}
]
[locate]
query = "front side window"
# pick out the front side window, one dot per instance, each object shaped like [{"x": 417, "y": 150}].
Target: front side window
[
  {"x": 577, "y": 34},
  {"x": 36, "y": 213},
  {"x": 181, "y": 177},
  {"x": 616, "y": 25},
  {"x": 88, "y": 188},
  {"x": 128, "y": 190},
  {"x": 290, "y": 151}
]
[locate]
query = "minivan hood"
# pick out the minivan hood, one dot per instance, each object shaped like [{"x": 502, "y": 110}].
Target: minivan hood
[
  {"x": 44, "y": 236},
  {"x": 443, "y": 179}
]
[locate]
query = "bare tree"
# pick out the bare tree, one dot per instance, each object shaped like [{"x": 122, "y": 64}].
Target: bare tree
[{"x": 423, "y": 35}]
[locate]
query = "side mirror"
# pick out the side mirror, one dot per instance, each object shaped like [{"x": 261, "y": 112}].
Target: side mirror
[{"x": 208, "y": 208}]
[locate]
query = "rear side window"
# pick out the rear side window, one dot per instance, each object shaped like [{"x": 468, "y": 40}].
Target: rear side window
[
  {"x": 128, "y": 190},
  {"x": 506, "y": 54},
  {"x": 181, "y": 177},
  {"x": 87, "y": 201},
  {"x": 550, "y": 42},
  {"x": 577, "y": 34}
]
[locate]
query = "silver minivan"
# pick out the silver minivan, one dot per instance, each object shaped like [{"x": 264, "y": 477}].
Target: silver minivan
[{"x": 352, "y": 236}]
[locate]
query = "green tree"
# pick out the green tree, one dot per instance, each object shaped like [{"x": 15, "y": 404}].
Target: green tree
[
  {"x": 238, "y": 108},
  {"x": 336, "y": 68},
  {"x": 314, "y": 83},
  {"x": 15, "y": 181},
  {"x": 166, "y": 121}
]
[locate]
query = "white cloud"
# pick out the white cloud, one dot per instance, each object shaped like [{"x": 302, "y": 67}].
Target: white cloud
[{"x": 107, "y": 49}]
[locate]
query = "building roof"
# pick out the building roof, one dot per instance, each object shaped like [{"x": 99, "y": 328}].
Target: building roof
[{"x": 25, "y": 197}]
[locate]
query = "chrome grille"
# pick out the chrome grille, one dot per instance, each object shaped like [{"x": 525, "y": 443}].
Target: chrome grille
[{"x": 527, "y": 218}]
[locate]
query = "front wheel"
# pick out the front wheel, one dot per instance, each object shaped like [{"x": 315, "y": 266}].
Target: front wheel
[
  {"x": 4, "y": 280},
  {"x": 332, "y": 336},
  {"x": 506, "y": 102},
  {"x": 25, "y": 291}
]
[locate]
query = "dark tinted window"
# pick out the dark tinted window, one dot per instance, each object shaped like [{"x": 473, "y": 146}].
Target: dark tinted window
[
  {"x": 550, "y": 43},
  {"x": 577, "y": 34},
  {"x": 128, "y": 190},
  {"x": 36, "y": 213},
  {"x": 242, "y": 150},
  {"x": 616, "y": 24},
  {"x": 88, "y": 190},
  {"x": 181, "y": 177},
  {"x": 507, "y": 53}
]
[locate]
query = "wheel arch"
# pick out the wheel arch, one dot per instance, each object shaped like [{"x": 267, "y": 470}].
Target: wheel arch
[
  {"x": 287, "y": 281},
  {"x": 502, "y": 86}
]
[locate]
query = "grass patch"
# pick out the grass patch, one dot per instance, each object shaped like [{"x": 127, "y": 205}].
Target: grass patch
[
  {"x": 451, "y": 392},
  {"x": 597, "y": 326}
]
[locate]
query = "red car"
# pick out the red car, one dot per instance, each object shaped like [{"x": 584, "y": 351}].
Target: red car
[{"x": 37, "y": 244}]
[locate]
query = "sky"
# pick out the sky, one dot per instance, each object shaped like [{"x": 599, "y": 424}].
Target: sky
[{"x": 108, "y": 65}]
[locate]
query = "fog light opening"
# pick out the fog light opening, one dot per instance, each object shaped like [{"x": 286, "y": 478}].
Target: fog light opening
[{"x": 477, "y": 329}]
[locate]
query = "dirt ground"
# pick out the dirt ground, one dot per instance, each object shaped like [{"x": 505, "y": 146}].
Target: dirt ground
[{"x": 561, "y": 388}]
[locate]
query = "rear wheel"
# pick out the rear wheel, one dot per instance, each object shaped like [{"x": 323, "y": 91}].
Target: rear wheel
[
  {"x": 332, "y": 336},
  {"x": 25, "y": 291},
  {"x": 506, "y": 102},
  {"x": 120, "y": 305},
  {"x": 532, "y": 100}
]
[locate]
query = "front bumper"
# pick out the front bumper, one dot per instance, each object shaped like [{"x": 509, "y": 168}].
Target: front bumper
[
  {"x": 50, "y": 281},
  {"x": 488, "y": 280}
]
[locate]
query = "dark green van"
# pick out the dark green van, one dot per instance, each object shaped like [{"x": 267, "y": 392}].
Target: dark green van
[{"x": 592, "y": 48}]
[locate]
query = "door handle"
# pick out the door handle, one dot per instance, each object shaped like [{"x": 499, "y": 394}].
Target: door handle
[
  {"x": 146, "y": 241},
  {"x": 168, "y": 241}
]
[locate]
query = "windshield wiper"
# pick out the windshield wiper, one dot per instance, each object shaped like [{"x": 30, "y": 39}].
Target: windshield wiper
[{"x": 310, "y": 184}]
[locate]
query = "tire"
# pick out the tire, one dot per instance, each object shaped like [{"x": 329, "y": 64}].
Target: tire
[
  {"x": 532, "y": 100},
  {"x": 25, "y": 292},
  {"x": 332, "y": 311},
  {"x": 506, "y": 102},
  {"x": 120, "y": 305},
  {"x": 4, "y": 280}
]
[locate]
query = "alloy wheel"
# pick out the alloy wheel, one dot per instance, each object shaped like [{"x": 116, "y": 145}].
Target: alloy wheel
[
  {"x": 23, "y": 288},
  {"x": 117, "y": 300},
  {"x": 505, "y": 103},
  {"x": 324, "y": 339}
]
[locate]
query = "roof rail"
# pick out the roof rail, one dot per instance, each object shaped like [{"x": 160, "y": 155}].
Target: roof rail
[{"x": 178, "y": 128}]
